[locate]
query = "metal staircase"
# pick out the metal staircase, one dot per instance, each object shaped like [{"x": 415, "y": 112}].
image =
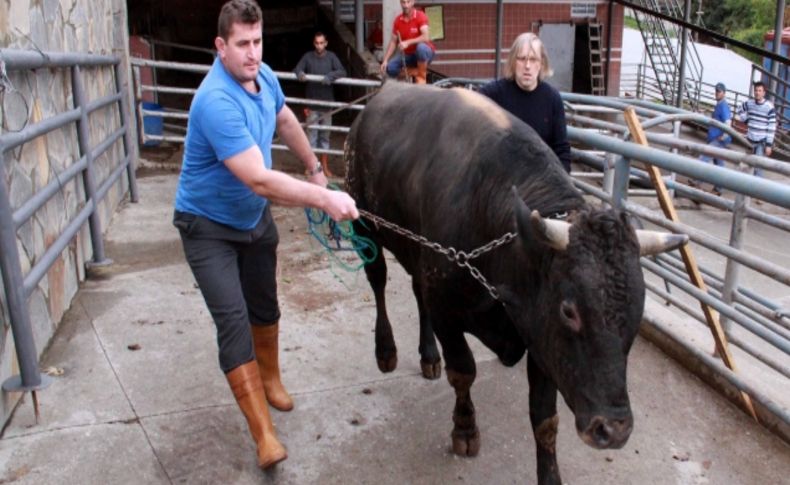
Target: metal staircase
[
  {"x": 662, "y": 46},
  {"x": 596, "y": 64}
]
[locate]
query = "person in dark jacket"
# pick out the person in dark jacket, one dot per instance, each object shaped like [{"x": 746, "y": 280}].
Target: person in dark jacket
[
  {"x": 325, "y": 63},
  {"x": 526, "y": 94}
]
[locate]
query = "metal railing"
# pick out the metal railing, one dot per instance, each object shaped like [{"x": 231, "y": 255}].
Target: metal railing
[
  {"x": 639, "y": 81},
  {"x": 664, "y": 44},
  {"x": 181, "y": 114},
  {"x": 19, "y": 286}
]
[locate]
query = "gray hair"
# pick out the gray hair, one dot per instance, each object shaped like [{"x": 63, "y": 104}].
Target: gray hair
[{"x": 532, "y": 40}]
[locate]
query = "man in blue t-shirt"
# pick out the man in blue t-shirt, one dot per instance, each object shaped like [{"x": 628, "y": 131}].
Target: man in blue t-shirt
[
  {"x": 222, "y": 211},
  {"x": 716, "y": 136}
]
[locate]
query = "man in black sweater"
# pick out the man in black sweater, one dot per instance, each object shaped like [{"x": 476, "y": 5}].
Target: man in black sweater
[
  {"x": 524, "y": 92},
  {"x": 324, "y": 63}
]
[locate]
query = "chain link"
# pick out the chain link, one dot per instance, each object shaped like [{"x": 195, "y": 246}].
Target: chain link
[{"x": 461, "y": 258}]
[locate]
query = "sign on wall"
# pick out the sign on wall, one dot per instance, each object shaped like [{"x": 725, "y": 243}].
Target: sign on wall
[
  {"x": 435, "y": 15},
  {"x": 582, "y": 10}
]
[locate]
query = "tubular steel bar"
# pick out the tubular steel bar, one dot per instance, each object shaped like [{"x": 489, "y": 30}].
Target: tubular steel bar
[
  {"x": 720, "y": 306},
  {"x": 41, "y": 197},
  {"x": 23, "y": 60},
  {"x": 747, "y": 301},
  {"x": 675, "y": 275},
  {"x": 30, "y": 379},
  {"x": 88, "y": 177},
  {"x": 500, "y": 12},
  {"x": 683, "y": 54},
  {"x": 734, "y": 339},
  {"x": 760, "y": 188},
  {"x": 756, "y": 263},
  {"x": 732, "y": 378},
  {"x": 14, "y": 139},
  {"x": 697, "y": 194}
]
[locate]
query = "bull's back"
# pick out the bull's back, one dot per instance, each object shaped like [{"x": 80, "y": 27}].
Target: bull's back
[{"x": 414, "y": 148}]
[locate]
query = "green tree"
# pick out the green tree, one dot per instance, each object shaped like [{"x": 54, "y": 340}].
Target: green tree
[{"x": 743, "y": 20}]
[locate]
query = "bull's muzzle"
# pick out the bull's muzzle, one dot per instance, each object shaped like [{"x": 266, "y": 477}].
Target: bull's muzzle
[{"x": 602, "y": 432}]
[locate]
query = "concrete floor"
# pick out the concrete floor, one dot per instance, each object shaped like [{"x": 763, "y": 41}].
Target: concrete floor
[{"x": 163, "y": 413}]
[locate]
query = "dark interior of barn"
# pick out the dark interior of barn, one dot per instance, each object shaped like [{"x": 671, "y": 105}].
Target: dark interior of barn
[{"x": 288, "y": 29}]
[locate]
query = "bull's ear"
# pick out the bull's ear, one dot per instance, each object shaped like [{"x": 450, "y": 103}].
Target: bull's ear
[
  {"x": 522, "y": 219},
  {"x": 654, "y": 242}
]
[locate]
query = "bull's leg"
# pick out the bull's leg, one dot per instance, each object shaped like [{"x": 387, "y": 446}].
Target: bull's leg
[
  {"x": 461, "y": 373},
  {"x": 544, "y": 419},
  {"x": 386, "y": 352},
  {"x": 430, "y": 361}
]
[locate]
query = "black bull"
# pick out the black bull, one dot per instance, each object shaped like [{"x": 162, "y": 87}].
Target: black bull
[{"x": 451, "y": 166}]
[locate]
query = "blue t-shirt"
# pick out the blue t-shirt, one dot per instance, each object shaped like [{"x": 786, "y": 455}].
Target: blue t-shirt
[
  {"x": 225, "y": 120},
  {"x": 720, "y": 113}
]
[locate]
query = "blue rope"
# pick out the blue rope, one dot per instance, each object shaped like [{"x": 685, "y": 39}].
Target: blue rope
[{"x": 338, "y": 237}]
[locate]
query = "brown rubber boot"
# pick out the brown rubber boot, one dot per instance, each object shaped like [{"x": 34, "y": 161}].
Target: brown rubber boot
[
  {"x": 266, "y": 339},
  {"x": 422, "y": 73},
  {"x": 245, "y": 382},
  {"x": 325, "y": 164}
]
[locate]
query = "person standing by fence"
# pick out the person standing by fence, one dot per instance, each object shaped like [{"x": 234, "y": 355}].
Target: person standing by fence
[
  {"x": 760, "y": 118},
  {"x": 716, "y": 136},
  {"x": 411, "y": 36},
  {"x": 322, "y": 62}
]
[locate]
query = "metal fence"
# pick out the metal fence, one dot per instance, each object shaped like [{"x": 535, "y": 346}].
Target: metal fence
[
  {"x": 639, "y": 81},
  {"x": 181, "y": 114},
  {"x": 19, "y": 286}
]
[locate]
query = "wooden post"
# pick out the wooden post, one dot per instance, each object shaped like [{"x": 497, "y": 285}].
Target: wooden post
[{"x": 712, "y": 317}]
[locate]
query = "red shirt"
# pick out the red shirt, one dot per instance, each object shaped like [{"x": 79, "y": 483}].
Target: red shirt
[{"x": 409, "y": 28}]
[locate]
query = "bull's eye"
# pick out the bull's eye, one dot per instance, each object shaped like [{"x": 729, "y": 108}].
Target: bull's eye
[{"x": 569, "y": 315}]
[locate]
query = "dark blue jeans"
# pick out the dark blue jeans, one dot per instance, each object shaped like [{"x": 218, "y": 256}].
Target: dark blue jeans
[
  {"x": 422, "y": 54},
  {"x": 758, "y": 148},
  {"x": 716, "y": 161},
  {"x": 236, "y": 273}
]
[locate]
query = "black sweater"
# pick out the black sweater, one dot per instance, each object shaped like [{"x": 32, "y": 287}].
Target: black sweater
[{"x": 540, "y": 108}]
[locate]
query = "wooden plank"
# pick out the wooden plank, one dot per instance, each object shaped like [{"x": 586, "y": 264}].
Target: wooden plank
[{"x": 664, "y": 200}]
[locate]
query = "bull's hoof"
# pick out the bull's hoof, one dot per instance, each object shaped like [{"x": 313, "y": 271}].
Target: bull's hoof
[
  {"x": 431, "y": 370},
  {"x": 389, "y": 363},
  {"x": 466, "y": 443}
]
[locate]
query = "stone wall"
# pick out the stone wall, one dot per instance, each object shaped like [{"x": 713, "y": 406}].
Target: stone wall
[{"x": 70, "y": 26}]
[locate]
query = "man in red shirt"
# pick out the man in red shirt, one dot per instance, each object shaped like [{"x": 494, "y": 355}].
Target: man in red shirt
[{"x": 410, "y": 34}]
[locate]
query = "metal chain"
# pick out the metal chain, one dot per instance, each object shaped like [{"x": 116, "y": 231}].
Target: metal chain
[{"x": 461, "y": 258}]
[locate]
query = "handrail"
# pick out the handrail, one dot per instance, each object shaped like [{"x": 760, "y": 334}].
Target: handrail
[
  {"x": 203, "y": 68},
  {"x": 19, "y": 287}
]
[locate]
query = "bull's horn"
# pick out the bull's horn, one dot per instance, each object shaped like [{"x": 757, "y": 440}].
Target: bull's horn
[
  {"x": 654, "y": 242},
  {"x": 555, "y": 233}
]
